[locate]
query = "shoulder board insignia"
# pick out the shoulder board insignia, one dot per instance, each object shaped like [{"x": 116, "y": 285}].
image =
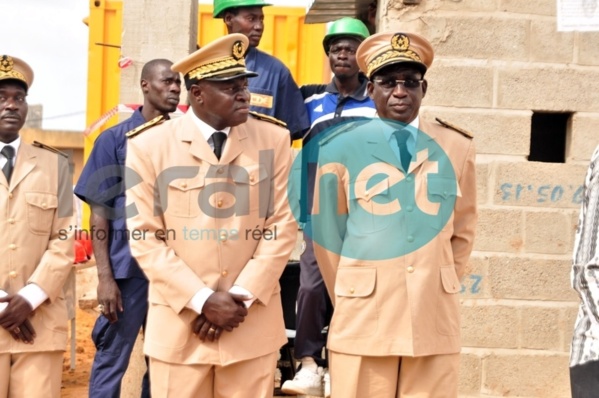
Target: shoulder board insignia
[
  {"x": 266, "y": 118},
  {"x": 49, "y": 148},
  {"x": 460, "y": 130},
  {"x": 139, "y": 129}
]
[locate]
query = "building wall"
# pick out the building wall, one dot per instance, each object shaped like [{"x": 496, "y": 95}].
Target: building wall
[{"x": 497, "y": 62}]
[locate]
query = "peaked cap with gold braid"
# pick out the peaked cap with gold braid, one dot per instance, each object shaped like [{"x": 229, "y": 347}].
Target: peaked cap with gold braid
[
  {"x": 16, "y": 69},
  {"x": 223, "y": 59},
  {"x": 388, "y": 48}
]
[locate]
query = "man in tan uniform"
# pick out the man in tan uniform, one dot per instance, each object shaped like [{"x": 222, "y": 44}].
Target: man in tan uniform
[
  {"x": 393, "y": 226},
  {"x": 208, "y": 191},
  {"x": 36, "y": 252}
]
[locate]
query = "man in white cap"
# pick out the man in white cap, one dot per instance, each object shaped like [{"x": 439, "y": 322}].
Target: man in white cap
[
  {"x": 209, "y": 193},
  {"x": 37, "y": 247}
]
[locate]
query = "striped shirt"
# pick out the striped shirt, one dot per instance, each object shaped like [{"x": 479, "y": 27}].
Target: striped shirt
[{"x": 585, "y": 271}]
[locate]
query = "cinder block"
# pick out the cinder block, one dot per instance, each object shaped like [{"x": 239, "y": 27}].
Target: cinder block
[
  {"x": 549, "y": 45},
  {"x": 538, "y": 7},
  {"x": 569, "y": 320},
  {"x": 541, "y": 328},
  {"x": 585, "y": 135},
  {"x": 474, "y": 282},
  {"x": 499, "y": 230},
  {"x": 499, "y": 132},
  {"x": 535, "y": 88},
  {"x": 588, "y": 51},
  {"x": 547, "y": 232},
  {"x": 483, "y": 173},
  {"x": 542, "y": 376},
  {"x": 478, "y": 37},
  {"x": 451, "y": 84},
  {"x": 490, "y": 326},
  {"x": 465, "y": 5},
  {"x": 470, "y": 374},
  {"x": 530, "y": 278},
  {"x": 539, "y": 184}
]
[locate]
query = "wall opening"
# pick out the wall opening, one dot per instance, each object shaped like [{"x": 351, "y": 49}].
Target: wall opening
[{"x": 548, "y": 137}]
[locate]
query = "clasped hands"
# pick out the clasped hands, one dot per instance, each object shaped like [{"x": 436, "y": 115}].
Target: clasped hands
[
  {"x": 15, "y": 318},
  {"x": 222, "y": 311}
]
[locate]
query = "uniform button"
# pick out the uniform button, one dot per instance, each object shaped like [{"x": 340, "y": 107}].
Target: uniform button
[
  {"x": 223, "y": 236},
  {"x": 219, "y": 203},
  {"x": 410, "y": 238},
  {"x": 184, "y": 185},
  {"x": 252, "y": 178},
  {"x": 410, "y": 208},
  {"x": 445, "y": 193},
  {"x": 409, "y": 179},
  {"x": 220, "y": 171},
  {"x": 44, "y": 206},
  {"x": 10, "y": 195},
  {"x": 367, "y": 193},
  {"x": 12, "y": 274},
  {"x": 11, "y": 220},
  {"x": 12, "y": 246},
  {"x": 224, "y": 273},
  {"x": 352, "y": 290},
  {"x": 410, "y": 269}
]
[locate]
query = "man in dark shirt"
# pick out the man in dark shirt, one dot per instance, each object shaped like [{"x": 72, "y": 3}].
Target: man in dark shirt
[{"x": 122, "y": 286}]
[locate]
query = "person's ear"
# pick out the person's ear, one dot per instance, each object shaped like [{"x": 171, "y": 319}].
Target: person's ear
[
  {"x": 195, "y": 93},
  {"x": 370, "y": 88},
  {"x": 424, "y": 87},
  {"x": 144, "y": 86},
  {"x": 228, "y": 18}
]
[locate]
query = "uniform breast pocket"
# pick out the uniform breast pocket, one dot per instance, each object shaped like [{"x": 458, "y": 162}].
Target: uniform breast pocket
[
  {"x": 252, "y": 190},
  {"x": 442, "y": 193},
  {"x": 371, "y": 206},
  {"x": 183, "y": 197},
  {"x": 41, "y": 207}
]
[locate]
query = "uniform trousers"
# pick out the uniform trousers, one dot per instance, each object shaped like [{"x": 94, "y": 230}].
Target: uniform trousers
[
  {"x": 31, "y": 374},
  {"x": 354, "y": 376},
  {"x": 252, "y": 378},
  {"x": 314, "y": 308},
  {"x": 584, "y": 380},
  {"x": 114, "y": 342}
]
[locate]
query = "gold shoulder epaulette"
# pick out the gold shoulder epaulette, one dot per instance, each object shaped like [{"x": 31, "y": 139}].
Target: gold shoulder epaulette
[
  {"x": 49, "y": 148},
  {"x": 455, "y": 128},
  {"x": 267, "y": 118},
  {"x": 154, "y": 122}
]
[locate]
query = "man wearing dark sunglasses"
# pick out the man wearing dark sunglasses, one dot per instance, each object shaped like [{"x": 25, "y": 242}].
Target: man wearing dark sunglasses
[{"x": 393, "y": 222}]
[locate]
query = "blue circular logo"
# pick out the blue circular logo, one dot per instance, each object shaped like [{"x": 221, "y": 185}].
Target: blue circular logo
[{"x": 350, "y": 192}]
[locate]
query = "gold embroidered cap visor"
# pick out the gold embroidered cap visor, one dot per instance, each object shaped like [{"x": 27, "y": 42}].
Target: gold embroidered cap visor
[
  {"x": 388, "y": 48},
  {"x": 221, "y": 60},
  {"x": 15, "y": 69}
]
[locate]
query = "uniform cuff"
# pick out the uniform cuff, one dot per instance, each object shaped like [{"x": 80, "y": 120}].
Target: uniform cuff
[
  {"x": 236, "y": 289},
  {"x": 33, "y": 294},
  {"x": 199, "y": 299}
]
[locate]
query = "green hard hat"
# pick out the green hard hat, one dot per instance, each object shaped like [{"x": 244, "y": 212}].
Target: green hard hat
[
  {"x": 345, "y": 27},
  {"x": 221, "y": 5}
]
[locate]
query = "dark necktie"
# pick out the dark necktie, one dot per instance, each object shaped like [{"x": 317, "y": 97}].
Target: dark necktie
[
  {"x": 9, "y": 153},
  {"x": 402, "y": 138},
  {"x": 218, "y": 139}
]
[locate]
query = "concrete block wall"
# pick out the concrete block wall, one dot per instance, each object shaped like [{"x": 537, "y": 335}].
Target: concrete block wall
[{"x": 496, "y": 63}]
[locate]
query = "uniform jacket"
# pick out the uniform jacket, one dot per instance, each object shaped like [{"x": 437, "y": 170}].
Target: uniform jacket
[
  {"x": 102, "y": 183},
  {"x": 395, "y": 292},
  {"x": 274, "y": 92},
  {"x": 37, "y": 241},
  {"x": 226, "y": 223}
]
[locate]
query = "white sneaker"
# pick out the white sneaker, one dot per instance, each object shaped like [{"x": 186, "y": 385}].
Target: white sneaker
[
  {"x": 305, "y": 382},
  {"x": 327, "y": 384}
]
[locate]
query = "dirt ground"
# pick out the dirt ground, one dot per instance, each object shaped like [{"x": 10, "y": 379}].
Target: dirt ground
[{"x": 74, "y": 382}]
